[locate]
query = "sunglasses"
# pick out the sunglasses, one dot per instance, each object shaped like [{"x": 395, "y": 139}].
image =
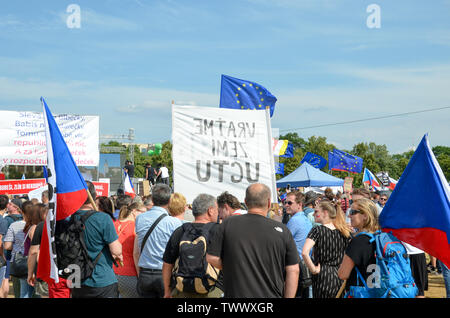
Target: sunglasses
[
  {"x": 383, "y": 199},
  {"x": 289, "y": 202},
  {"x": 353, "y": 212}
]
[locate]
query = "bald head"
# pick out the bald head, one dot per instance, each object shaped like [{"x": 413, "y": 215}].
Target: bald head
[{"x": 257, "y": 196}]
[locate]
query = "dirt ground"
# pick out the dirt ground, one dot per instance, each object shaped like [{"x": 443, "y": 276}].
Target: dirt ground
[{"x": 436, "y": 288}]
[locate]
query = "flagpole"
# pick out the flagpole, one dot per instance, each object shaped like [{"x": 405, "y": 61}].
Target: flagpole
[{"x": 91, "y": 200}]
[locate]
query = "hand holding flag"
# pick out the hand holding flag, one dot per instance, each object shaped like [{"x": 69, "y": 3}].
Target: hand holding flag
[{"x": 67, "y": 193}]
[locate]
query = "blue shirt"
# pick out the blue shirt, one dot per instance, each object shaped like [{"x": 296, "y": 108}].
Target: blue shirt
[
  {"x": 299, "y": 225},
  {"x": 310, "y": 215},
  {"x": 152, "y": 254},
  {"x": 98, "y": 234}
]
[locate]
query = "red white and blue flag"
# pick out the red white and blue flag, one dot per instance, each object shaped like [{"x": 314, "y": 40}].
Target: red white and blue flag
[
  {"x": 370, "y": 179},
  {"x": 128, "y": 186},
  {"x": 67, "y": 193},
  {"x": 418, "y": 210},
  {"x": 392, "y": 183}
]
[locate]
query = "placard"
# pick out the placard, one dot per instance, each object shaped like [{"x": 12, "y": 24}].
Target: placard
[{"x": 219, "y": 149}]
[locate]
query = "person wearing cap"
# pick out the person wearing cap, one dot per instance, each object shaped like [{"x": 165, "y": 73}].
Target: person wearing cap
[
  {"x": 311, "y": 200},
  {"x": 14, "y": 211}
]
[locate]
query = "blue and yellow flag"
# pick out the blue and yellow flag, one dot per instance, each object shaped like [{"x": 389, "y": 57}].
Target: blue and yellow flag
[
  {"x": 279, "y": 168},
  {"x": 314, "y": 160},
  {"x": 342, "y": 161},
  {"x": 242, "y": 94}
]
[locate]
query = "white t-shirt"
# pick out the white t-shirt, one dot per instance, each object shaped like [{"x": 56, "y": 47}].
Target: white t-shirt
[{"x": 164, "y": 172}]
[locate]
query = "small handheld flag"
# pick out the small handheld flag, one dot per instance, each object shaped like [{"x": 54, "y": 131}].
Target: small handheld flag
[
  {"x": 128, "y": 186},
  {"x": 370, "y": 179},
  {"x": 279, "y": 168},
  {"x": 242, "y": 94}
]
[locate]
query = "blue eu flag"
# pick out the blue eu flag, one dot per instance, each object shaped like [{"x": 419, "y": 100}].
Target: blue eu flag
[
  {"x": 279, "y": 168},
  {"x": 289, "y": 151},
  {"x": 314, "y": 160},
  {"x": 241, "y": 94},
  {"x": 342, "y": 161}
]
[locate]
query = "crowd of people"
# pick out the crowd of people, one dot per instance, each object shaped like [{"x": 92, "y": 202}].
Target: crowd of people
[{"x": 304, "y": 246}]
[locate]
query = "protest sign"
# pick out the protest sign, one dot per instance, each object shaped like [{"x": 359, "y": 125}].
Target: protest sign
[
  {"x": 218, "y": 149},
  {"x": 348, "y": 184},
  {"x": 23, "y": 138},
  {"x": 20, "y": 186}
]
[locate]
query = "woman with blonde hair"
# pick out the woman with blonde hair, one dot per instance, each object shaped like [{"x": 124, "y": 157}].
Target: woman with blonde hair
[
  {"x": 360, "y": 252},
  {"x": 177, "y": 206},
  {"x": 125, "y": 228},
  {"x": 329, "y": 241}
]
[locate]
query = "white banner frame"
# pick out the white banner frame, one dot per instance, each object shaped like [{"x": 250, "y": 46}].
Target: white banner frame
[{"x": 219, "y": 149}]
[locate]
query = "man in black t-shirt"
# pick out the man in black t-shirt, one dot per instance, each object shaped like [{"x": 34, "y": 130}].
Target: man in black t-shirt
[
  {"x": 258, "y": 255},
  {"x": 129, "y": 168}
]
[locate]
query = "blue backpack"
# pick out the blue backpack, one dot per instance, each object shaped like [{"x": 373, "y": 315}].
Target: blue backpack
[{"x": 392, "y": 277}]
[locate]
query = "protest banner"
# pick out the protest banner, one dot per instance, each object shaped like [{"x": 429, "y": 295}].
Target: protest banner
[
  {"x": 102, "y": 188},
  {"x": 20, "y": 186},
  {"x": 23, "y": 138},
  {"x": 219, "y": 149}
]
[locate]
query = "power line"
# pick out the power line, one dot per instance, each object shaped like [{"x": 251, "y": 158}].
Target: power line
[{"x": 367, "y": 119}]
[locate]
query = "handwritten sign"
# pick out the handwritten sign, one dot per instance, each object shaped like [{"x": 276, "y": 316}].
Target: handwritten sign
[
  {"x": 23, "y": 138},
  {"x": 218, "y": 149}
]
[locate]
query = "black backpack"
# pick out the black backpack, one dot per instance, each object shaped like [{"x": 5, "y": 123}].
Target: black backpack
[
  {"x": 192, "y": 273},
  {"x": 71, "y": 247}
]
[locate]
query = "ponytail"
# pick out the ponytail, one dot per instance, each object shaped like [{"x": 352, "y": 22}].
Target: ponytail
[
  {"x": 124, "y": 212},
  {"x": 336, "y": 215},
  {"x": 339, "y": 221}
]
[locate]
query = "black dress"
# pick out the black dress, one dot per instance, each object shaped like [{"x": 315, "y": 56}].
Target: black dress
[{"x": 328, "y": 251}]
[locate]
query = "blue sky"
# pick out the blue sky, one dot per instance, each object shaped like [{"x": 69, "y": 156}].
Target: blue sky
[{"x": 131, "y": 58}]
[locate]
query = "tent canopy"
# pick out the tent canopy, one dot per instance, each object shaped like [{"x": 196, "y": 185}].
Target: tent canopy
[{"x": 308, "y": 176}]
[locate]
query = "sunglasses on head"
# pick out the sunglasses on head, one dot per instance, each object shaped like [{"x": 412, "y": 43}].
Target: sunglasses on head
[{"x": 353, "y": 212}]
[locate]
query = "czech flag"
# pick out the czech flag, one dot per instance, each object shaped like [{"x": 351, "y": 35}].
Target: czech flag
[
  {"x": 370, "y": 179},
  {"x": 418, "y": 210},
  {"x": 67, "y": 193},
  {"x": 128, "y": 186},
  {"x": 392, "y": 184}
]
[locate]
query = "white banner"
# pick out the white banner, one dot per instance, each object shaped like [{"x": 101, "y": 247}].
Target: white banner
[
  {"x": 219, "y": 149},
  {"x": 22, "y": 140}
]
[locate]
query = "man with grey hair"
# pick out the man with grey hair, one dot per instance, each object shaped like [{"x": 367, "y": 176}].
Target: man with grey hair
[
  {"x": 258, "y": 255},
  {"x": 153, "y": 231},
  {"x": 206, "y": 212}
]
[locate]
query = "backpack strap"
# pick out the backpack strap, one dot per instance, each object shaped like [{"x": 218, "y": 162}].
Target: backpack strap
[
  {"x": 372, "y": 236},
  {"x": 359, "y": 277},
  {"x": 83, "y": 219},
  {"x": 151, "y": 230}
]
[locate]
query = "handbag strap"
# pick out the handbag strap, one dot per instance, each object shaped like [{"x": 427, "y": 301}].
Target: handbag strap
[{"x": 151, "y": 230}]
